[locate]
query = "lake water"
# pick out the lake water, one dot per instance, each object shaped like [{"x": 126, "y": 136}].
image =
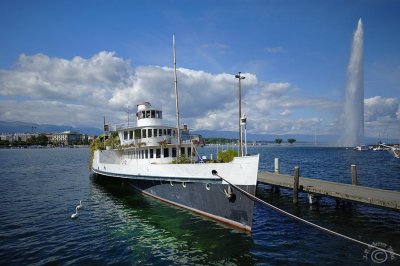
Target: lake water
[{"x": 41, "y": 187}]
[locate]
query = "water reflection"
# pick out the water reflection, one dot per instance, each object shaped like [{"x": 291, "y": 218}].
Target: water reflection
[{"x": 154, "y": 232}]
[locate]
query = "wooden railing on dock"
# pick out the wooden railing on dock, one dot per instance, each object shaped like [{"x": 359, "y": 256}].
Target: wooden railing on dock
[{"x": 371, "y": 196}]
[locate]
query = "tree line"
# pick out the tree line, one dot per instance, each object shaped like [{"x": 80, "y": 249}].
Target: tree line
[
  {"x": 229, "y": 141},
  {"x": 290, "y": 141}
]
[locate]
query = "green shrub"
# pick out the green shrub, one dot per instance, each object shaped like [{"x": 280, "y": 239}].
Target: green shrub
[
  {"x": 227, "y": 156},
  {"x": 182, "y": 160}
]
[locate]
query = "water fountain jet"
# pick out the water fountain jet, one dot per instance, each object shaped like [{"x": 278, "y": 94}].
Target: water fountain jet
[{"x": 353, "y": 116}]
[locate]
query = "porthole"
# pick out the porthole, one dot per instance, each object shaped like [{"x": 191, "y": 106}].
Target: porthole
[
  {"x": 208, "y": 186},
  {"x": 183, "y": 184},
  {"x": 172, "y": 184}
]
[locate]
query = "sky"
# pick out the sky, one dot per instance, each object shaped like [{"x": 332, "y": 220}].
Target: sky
[{"x": 73, "y": 62}]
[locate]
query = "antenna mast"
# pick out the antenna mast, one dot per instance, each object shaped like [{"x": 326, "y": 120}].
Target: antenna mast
[{"x": 176, "y": 99}]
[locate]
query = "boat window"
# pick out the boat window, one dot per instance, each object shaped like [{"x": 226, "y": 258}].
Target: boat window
[
  {"x": 155, "y": 132},
  {"x": 190, "y": 151},
  {"x": 173, "y": 152},
  {"x": 165, "y": 131},
  {"x": 130, "y": 134},
  {"x": 147, "y": 114},
  {"x": 160, "y": 132},
  {"x": 169, "y": 132},
  {"x": 151, "y": 153},
  {"x": 182, "y": 151},
  {"x": 144, "y": 133},
  {"x": 166, "y": 152},
  {"x": 153, "y": 114},
  {"x": 146, "y": 153},
  {"x": 173, "y": 133},
  {"x": 158, "y": 153},
  {"x": 160, "y": 116},
  {"x": 150, "y": 133},
  {"x": 137, "y": 134},
  {"x": 125, "y": 135}
]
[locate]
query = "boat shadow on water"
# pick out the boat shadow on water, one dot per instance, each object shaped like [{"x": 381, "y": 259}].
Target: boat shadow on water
[{"x": 179, "y": 235}]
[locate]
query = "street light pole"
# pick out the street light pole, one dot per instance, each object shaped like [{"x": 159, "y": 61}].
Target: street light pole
[{"x": 238, "y": 76}]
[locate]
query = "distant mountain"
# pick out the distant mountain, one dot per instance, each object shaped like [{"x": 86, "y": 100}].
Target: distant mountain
[{"x": 25, "y": 127}]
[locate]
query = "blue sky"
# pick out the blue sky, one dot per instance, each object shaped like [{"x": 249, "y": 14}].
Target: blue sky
[{"x": 74, "y": 56}]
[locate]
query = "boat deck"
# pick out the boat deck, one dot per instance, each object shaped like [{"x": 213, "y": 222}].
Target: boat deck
[{"x": 371, "y": 196}]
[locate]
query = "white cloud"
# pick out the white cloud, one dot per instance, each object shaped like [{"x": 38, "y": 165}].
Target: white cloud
[
  {"x": 286, "y": 112},
  {"x": 275, "y": 50},
  {"x": 52, "y": 112},
  {"x": 382, "y": 115},
  {"x": 79, "y": 92},
  {"x": 85, "y": 80},
  {"x": 378, "y": 108},
  {"x": 220, "y": 47},
  {"x": 398, "y": 113}
]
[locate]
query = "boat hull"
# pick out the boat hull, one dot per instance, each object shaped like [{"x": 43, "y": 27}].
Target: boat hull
[
  {"x": 213, "y": 200},
  {"x": 192, "y": 186}
]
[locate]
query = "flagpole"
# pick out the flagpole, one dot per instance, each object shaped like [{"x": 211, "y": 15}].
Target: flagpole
[{"x": 176, "y": 100}]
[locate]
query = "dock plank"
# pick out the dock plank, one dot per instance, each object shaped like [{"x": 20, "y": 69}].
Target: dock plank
[{"x": 371, "y": 196}]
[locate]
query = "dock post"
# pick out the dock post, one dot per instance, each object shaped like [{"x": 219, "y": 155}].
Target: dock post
[
  {"x": 296, "y": 185},
  {"x": 276, "y": 166},
  {"x": 354, "y": 174}
]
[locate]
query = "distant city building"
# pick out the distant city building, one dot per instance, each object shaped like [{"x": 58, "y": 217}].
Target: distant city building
[
  {"x": 64, "y": 138},
  {"x": 5, "y": 137},
  {"x": 49, "y": 136},
  {"x": 17, "y": 137},
  {"x": 68, "y": 138},
  {"x": 23, "y": 136}
]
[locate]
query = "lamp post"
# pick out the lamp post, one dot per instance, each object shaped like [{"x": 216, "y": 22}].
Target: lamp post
[{"x": 240, "y": 77}]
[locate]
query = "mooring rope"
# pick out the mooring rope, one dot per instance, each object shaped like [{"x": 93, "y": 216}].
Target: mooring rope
[{"x": 214, "y": 172}]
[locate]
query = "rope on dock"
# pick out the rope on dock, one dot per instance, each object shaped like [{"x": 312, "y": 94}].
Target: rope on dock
[{"x": 214, "y": 172}]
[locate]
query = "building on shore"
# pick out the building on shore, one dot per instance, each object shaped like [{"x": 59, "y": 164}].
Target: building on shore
[
  {"x": 64, "y": 138},
  {"x": 69, "y": 138},
  {"x": 24, "y": 137}
]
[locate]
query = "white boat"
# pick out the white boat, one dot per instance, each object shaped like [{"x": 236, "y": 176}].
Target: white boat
[
  {"x": 149, "y": 157},
  {"x": 145, "y": 158},
  {"x": 361, "y": 147}
]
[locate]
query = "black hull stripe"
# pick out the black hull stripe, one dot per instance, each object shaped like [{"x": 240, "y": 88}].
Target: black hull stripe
[{"x": 157, "y": 178}]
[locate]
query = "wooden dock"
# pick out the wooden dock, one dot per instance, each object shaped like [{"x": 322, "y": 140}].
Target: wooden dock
[{"x": 348, "y": 192}]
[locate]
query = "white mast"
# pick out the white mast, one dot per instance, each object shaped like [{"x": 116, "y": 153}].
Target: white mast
[{"x": 176, "y": 100}]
